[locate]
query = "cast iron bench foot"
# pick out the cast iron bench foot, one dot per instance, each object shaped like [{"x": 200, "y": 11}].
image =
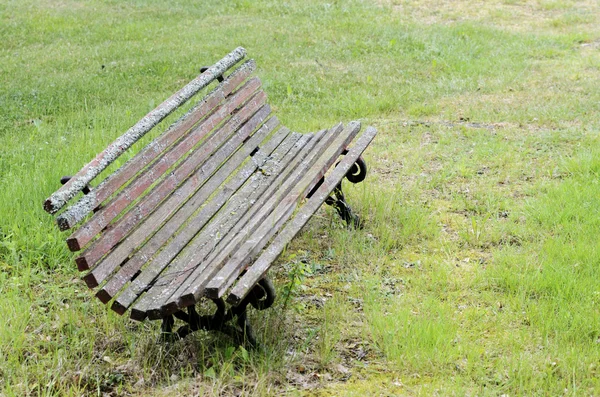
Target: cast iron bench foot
[
  {"x": 338, "y": 201},
  {"x": 261, "y": 297}
]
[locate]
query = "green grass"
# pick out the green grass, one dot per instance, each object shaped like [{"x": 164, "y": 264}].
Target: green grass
[{"x": 476, "y": 272}]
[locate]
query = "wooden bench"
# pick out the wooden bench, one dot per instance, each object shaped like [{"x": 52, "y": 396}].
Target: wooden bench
[{"x": 205, "y": 208}]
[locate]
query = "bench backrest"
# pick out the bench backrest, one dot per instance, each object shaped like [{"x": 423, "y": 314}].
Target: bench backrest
[{"x": 205, "y": 145}]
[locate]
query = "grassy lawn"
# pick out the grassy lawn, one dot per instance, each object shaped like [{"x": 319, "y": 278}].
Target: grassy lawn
[{"x": 477, "y": 270}]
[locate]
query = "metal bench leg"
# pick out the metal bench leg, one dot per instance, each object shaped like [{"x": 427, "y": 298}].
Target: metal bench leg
[
  {"x": 343, "y": 209},
  {"x": 337, "y": 200},
  {"x": 261, "y": 297},
  {"x": 247, "y": 333},
  {"x": 263, "y": 294},
  {"x": 166, "y": 329}
]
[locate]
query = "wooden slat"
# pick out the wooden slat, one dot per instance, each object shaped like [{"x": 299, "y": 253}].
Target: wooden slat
[
  {"x": 263, "y": 159},
  {"x": 198, "y": 262},
  {"x": 119, "y": 229},
  {"x": 135, "y": 263},
  {"x": 258, "y": 270},
  {"x": 193, "y": 287},
  {"x": 198, "y": 165},
  {"x": 116, "y": 180},
  {"x": 218, "y": 284},
  {"x": 132, "y": 191},
  {"x": 219, "y": 229},
  {"x": 59, "y": 198},
  {"x": 149, "y": 202}
]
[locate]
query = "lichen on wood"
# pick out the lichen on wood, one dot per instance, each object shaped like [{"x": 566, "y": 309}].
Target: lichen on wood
[{"x": 57, "y": 200}]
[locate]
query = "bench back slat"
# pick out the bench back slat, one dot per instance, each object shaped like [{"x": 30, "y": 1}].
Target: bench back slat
[
  {"x": 203, "y": 178},
  {"x": 197, "y": 263},
  {"x": 195, "y": 169},
  {"x": 170, "y": 157},
  {"x": 220, "y": 227},
  {"x": 59, "y": 198},
  {"x": 78, "y": 211},
  {"x": 148, "y": 203},
  {"x": 169, "y": 229},
  {"x": 192, "y": 287}
]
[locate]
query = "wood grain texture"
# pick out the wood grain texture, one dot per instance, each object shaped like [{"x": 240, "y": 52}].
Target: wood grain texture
[
  {"x": 285, "y": 205},
  {"x": 135, "y": 214},
  {"x": 232, "y": 210},
  {"x": 193, "y": 287},
  {"x": 116, "y": 180},
  {"x": 230, "y": 213},
  {"x": 184, "y": 214},
  {"x": 139, "y": 185},
  {"x": 205, "y": 241},
  {"x": 223, "y": 228},
  {"x": 200, "y": 260},
  {"x": 194, "y": 170}
]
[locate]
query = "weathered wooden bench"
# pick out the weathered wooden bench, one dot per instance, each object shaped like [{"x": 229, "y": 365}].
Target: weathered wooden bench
[{"x": 189, "y": 216}]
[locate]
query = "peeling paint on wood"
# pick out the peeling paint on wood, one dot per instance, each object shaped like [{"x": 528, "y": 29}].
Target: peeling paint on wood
[
  {"x": 148, "y": 225},
  {"x": 285, "y": 205},
  {"x": 221, "y": 227},
  {"x": 161, "y": 287},
  {"x": 194, "y": 286},
  {"x": 169, "y": 229},
  {"x": 221, "y": 249},
  {"x": 139, "y": 185},
  {"x": 137, "y": 286}
]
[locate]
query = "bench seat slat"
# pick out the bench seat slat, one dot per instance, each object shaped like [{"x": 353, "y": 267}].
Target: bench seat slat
[
  {"x": 220, "y": 227},
  {"x": 116, "y": 180},
  {"x": 174, "y": 198},
  {"x": 233, "y": 210},
  {"x": 259, "y": 268},
  {"x": 137, "y": 261},
  {"x": 139, "y": 185},
  {"x": 285, "y": 205},
  {"x": 193, "y": 287},
  {"x": 59, "y": 198},
  {"x": 198, "y": 264}
]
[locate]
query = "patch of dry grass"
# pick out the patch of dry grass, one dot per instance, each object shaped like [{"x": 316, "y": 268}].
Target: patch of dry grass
[{"x": 511, "y": 15}]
